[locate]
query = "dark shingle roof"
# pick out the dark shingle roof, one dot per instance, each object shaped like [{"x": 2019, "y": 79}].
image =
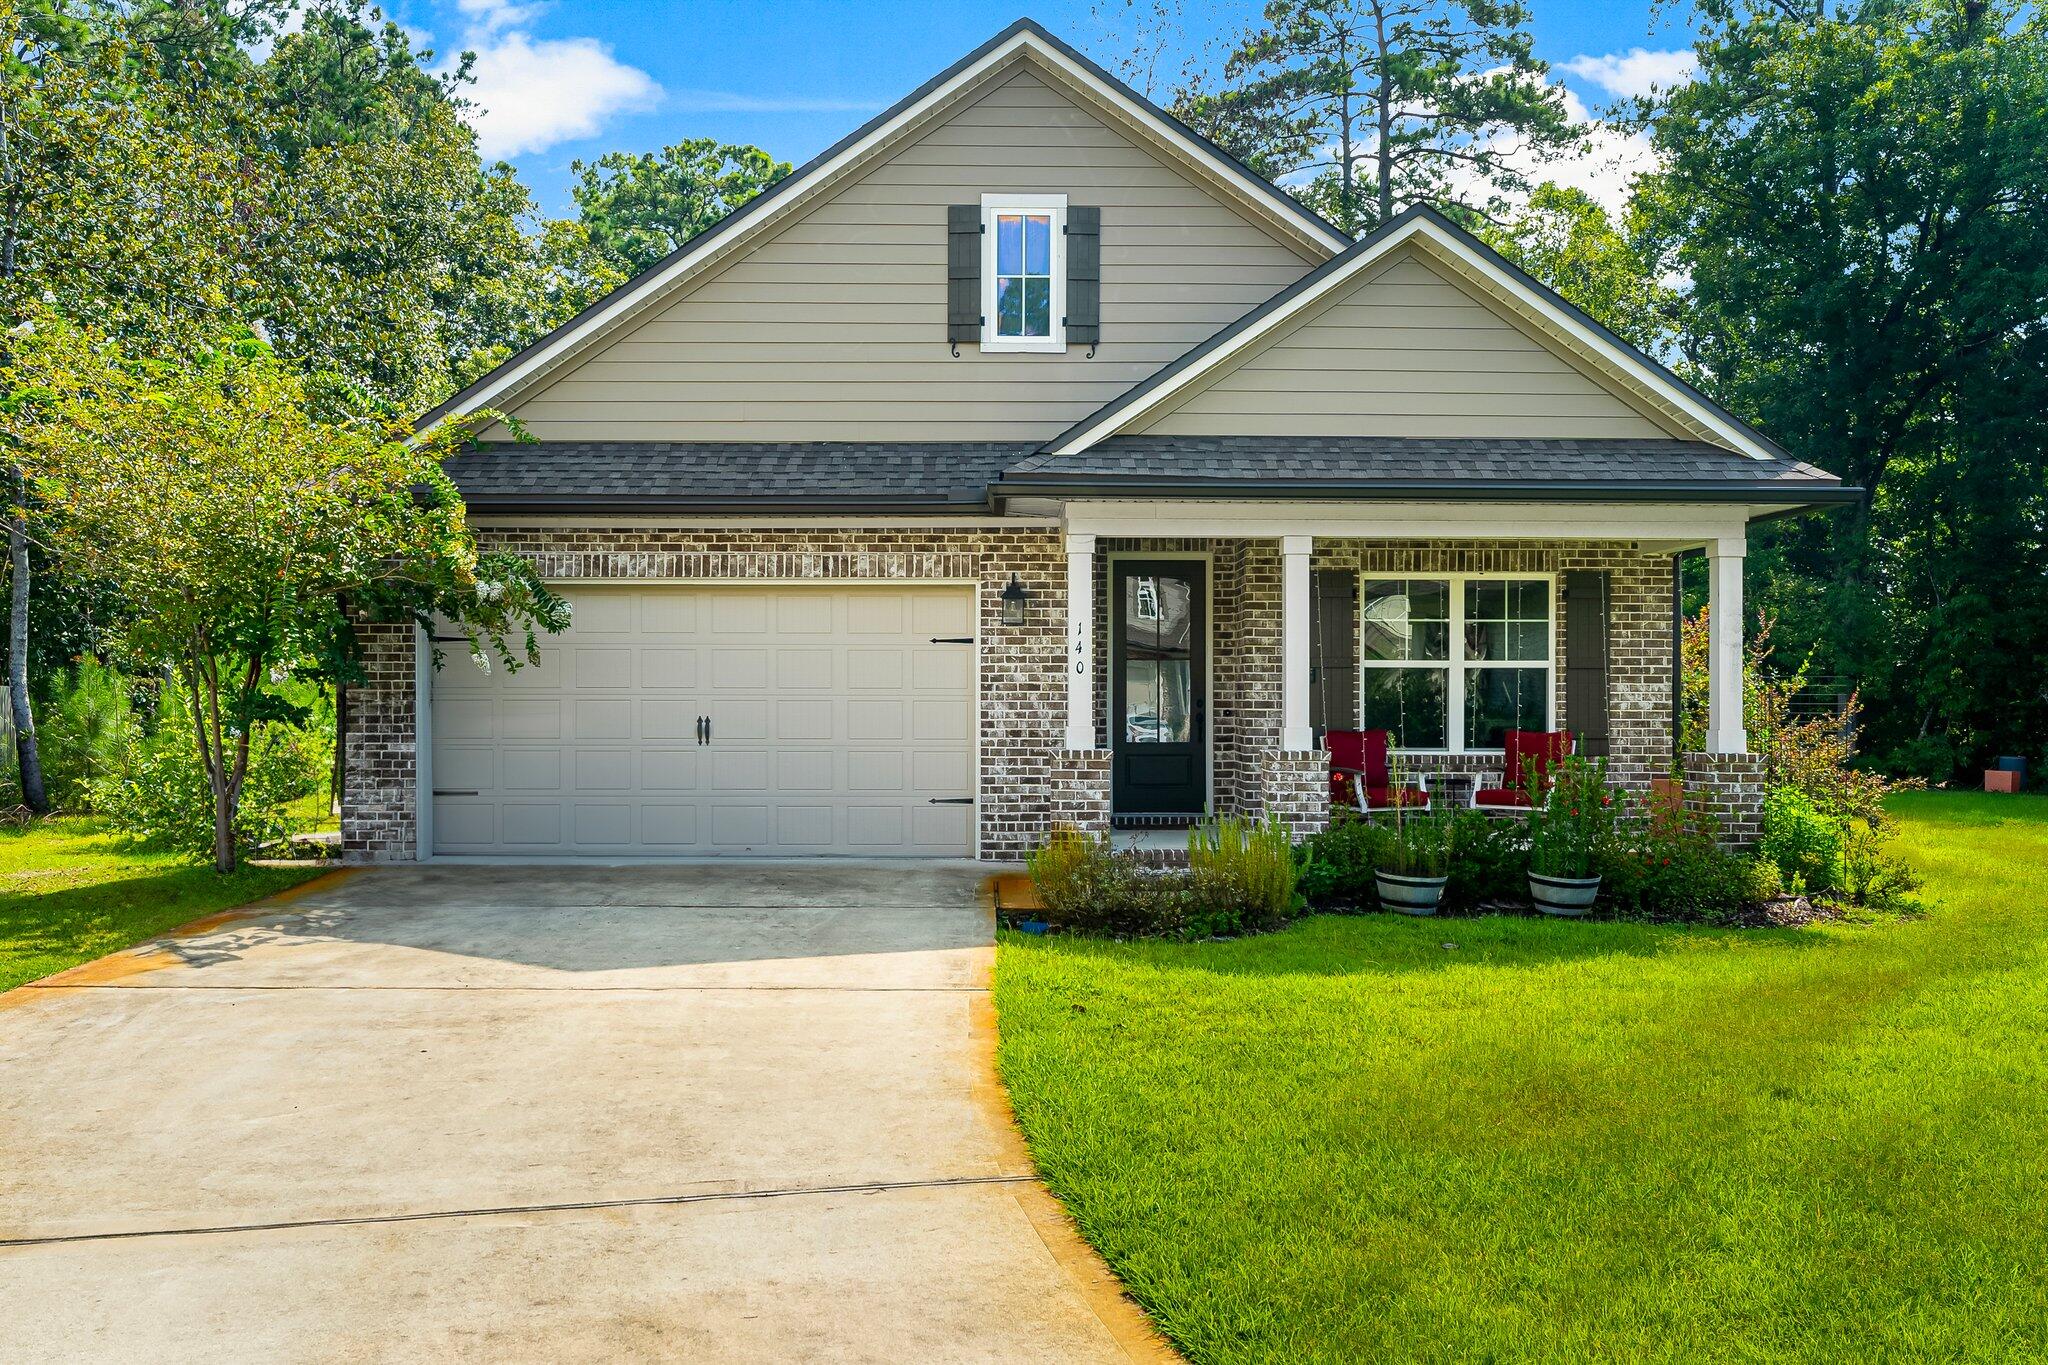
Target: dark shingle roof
[
  {"x": 668, "y": 474},
  {"x": 1384, "y": 465}
]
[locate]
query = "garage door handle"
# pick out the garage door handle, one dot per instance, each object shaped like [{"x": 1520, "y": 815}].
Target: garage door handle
[
  {"x": 951, "y": 801},
  {"x": 952, "y": 639},
  {"x": 443, "y": 791}
]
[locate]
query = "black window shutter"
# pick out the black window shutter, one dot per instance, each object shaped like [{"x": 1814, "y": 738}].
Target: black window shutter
[
  {"x": 1585, "y": 659},
  {"x": 963, "y": 273},
  {"x": 1333, "y": 653},
  {"x": 1084, "y": 276}
]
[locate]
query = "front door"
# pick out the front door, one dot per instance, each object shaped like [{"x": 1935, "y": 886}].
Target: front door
[{"x": 1158, "y": 688}]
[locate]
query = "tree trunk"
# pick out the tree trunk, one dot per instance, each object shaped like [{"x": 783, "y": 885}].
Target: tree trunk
[
  {"x": 26, "y": 753},
  {"x": 1383, "y": 110},
  {"x": 223, "y": 827}
]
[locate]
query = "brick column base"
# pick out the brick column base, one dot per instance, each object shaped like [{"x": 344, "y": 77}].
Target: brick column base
[
  {"x": 1078, "y": 790},
  {"x": 1295, "y": 785},
  {"x": 1729, "y": 787},
  {"x": 380, "y": 754}
]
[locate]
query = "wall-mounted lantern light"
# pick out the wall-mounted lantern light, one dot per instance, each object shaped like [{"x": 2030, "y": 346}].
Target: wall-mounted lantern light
[{"x": 1014, "y": 598}]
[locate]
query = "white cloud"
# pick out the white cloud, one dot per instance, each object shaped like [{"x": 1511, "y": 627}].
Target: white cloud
[
  {"x": 1614, "y": 157},
  {"x": 532, "y": 93},
  {"x": 1636, "y": 72}
]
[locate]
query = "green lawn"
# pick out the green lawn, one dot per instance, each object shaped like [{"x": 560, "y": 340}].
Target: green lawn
[
  {"x": 71, "y": 892},
  {"x": 1499, "y": 1139}
]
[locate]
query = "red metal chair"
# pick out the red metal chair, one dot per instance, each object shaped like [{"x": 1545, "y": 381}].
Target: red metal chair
[
  {"x": 1359, "y": 773},
  {"x": 1530, "y": 754}
]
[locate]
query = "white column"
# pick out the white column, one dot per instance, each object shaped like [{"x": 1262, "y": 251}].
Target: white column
[
  {"x": 1725, "y": 734},
  {"x": 1080, "y": 641},
  {"x": 1295, "y": 553}
]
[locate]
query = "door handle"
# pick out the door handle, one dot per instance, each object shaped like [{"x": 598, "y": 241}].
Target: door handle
[
  {"x": 700, "y": 729},
  {"x": 707, "y": 729}
]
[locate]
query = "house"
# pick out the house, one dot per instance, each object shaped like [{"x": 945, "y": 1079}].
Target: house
[{"x": 1024, "y": 459}]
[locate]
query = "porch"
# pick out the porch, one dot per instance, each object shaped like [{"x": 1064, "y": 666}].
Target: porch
[{"x": 1210, "y": 647}]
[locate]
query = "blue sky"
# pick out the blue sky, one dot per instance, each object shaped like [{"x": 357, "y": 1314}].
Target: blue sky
[{"x": 563, "y": 79}]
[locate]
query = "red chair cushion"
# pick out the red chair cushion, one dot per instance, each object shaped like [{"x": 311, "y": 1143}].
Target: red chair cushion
[
  {"x": 1500, "y": 796},
  {"x": 1386, "y": 798},
  {"x": 1360, "y": 750},
  {"x": 1530, "y": 754}
]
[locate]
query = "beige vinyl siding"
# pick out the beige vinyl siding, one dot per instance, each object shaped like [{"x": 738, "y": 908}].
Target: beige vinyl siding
[
  {"x": 834, "y": 328},
  {"x": 1404, "y": 352}
]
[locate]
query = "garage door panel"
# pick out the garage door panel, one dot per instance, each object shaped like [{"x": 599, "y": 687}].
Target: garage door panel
[
  {"x": 835, "y": 722},
  {"x": 611, "y": 718}
]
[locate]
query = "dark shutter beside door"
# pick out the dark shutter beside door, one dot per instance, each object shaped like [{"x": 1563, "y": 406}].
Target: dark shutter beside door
[
  {"x": 1332, "y": 650},
  {"x": 1084, "y": 276},
  {"x": 1585, "y": 659},
  {"x": 963, "y": 273}
]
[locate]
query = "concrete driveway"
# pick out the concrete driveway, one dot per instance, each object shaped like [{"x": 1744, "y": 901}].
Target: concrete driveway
[{"x": 730, "y": 1113}]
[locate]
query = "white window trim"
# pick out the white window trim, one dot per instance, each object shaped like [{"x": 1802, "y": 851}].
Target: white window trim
[
  {"x": 1458, "y": 664},
  {"x": 1056, "y": 205}
]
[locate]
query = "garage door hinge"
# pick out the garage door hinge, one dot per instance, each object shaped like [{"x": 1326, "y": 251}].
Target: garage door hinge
[
  {"x": 952, "y": 639},
  {"x": 952, "y": 801}
]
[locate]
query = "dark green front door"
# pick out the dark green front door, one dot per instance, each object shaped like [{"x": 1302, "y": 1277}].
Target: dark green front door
[{"x": 1158, "y": 689}]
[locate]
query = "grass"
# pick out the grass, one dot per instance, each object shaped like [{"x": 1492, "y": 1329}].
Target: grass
[
  {"x": 71, "y": 891},
  {"x": 1499, "y": 1139}
]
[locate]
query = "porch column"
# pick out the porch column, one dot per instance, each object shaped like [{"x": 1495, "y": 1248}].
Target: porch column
[
  {"x": 1080, "y": 641},
  {"x": 1725, "y": 734},
  {"x": 1296, "y": 736}
]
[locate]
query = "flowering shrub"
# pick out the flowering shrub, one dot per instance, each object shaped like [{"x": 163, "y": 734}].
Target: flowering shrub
[
  {"x": 1674, "y": 870},
  {"x": 1573, "y": 821}
]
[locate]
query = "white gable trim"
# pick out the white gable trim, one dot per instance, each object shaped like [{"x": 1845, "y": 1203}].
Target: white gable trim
[
  {"x": 1641, "y": 379},
  {"x": 800, "y": 188}
]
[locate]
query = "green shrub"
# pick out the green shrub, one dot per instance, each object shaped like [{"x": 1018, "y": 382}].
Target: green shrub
[
  {"x": 88, "y": 732},
  {"x": 1337, "y": 864},
  {"x": 1574, "y": 820},
  {"x": 164, "y": 799},
  {"x": 1670, "y": 871},
  {"x": 1246, "y": 866},
  {"x": 1804, "y": 842},
  {"x": 1492, "y": 862},
  {"x": 1871, "y": 873}
]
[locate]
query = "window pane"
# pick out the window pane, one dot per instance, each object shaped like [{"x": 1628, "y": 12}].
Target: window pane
[
  {"x": 1009, "y": 307},
  {"x": 1413, "y": 703},
  {"x": 1486, "y": 600},
  {"x": 1485, "y": 640},
  {"x": 1527, "y": 642},
  {"x": 1038, "y": 246},
  {"x": 1429, "y": 640},
  {"x": 1009, "y": 245},
  {"x": 1430, "y": 599},
  {"x": 1498, "y": 700},
  {"x": 1158, "y": 701},
  {"x": 1528, "y": 600},
  {"x": 1037, "y": 306}
]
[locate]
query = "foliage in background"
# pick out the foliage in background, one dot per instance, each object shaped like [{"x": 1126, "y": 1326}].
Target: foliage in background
[
  {"x": 243, "y": 533},
  {"x": 1386, "y": 103},
  {"x": 90, "y": 732},
  {"x": 1857, "y": 196},
  {"x": 1815, "y": 756},
  {"x": 638, "y": 207},
  {"x": 163, "y": 796},
  {"x": 1565, "y": 238}
]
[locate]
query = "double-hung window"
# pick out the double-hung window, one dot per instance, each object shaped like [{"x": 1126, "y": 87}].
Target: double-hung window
[
  {"x": 1023, "y": 272},
  {"x": 1452, "y": 663}
]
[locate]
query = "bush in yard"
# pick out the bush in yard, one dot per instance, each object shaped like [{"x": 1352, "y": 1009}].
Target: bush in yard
[
  {"x": 1573, "y": 821},
  {"x": 1337, "y": 863},
  {"x": 1492, "y": 862},
  {"x": 165, "y": 799},
  {"x": 87, "y": 732},
  {"x": 1243, "y": 868},
  {"x": 1675, "y": 871},
  {"x": 1804, "y": 843}
]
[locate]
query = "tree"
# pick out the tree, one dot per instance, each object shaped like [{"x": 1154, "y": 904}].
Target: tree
[
  {"x": 245, "y": 535},
  {"x": 1859, "y": 200},
  {"x": 1387, "y": 103},
  {"x": 640, "y": 206},
  {"x": 1564, "y": 238}
]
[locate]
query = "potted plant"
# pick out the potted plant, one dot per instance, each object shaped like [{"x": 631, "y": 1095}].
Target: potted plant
[
  {"x": 1420, "y": 857},
  {"x": 1568, "y": 826}
]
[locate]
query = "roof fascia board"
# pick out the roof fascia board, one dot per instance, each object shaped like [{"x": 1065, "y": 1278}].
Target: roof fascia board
[
  {"x": 768, "y": 206},
  {"x": 1444, "y": 490},
  {"x": 1415, "y": 224}
]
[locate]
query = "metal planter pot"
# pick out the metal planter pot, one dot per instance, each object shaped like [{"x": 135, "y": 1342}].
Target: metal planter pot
[
  {"x": 1571, "y": 896},
  {"x": 1409, "y": 895}
]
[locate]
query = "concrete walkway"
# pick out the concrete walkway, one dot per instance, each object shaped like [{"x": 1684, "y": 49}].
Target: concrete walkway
[{"x": 723, "y": 1113}]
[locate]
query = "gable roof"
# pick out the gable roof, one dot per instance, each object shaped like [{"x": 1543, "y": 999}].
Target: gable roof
[
  {"x": 1628, "y": 370},
  {"x": 1242, "y": 186}
]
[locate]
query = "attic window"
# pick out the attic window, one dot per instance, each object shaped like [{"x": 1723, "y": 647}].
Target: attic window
[{"x": 1023, "y": 272}]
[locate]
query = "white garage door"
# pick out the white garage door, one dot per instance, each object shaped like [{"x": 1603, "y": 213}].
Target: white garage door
[{"x": 687, "y": 721}]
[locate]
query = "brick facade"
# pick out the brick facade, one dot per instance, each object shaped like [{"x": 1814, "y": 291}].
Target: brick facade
[
  {"x": 1028, "y": 780},
  {"x": 1729, "y": 788}
]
